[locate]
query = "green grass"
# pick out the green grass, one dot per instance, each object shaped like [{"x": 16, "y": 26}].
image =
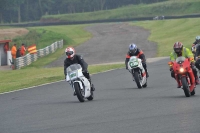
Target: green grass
[
  {"x": 172, "y": 7},
  {"x": 166, "y": 32},
  {"x": 17, "y": 79},
  {"x": 163, "y": 32},
  {"x": 73, "y": 35}
]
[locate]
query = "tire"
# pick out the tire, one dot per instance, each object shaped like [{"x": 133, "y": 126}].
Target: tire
[
  {"x": 91, "y": 97},
  {"x": 193, "y": 92},
  {"x": 78, "y": 92},
  {"x": 185, "y": 87},
  {"x": 137, "y": 80}
]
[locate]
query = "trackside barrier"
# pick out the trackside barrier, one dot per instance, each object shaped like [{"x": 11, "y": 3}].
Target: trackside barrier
[{"x": 29, "y": 58}]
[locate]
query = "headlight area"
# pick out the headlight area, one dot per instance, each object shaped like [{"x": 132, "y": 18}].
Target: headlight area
[{"x": 181, "y": 70}]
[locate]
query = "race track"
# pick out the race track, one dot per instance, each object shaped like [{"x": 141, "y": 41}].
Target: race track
[
  {"x": 110, "y": 43},
  {"x": 118, "y": 106}
]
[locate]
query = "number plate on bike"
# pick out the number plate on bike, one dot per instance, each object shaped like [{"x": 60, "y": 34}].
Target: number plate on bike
[
  {"x": 133, "y": 63},
  {"x": 72, "y": 76}
]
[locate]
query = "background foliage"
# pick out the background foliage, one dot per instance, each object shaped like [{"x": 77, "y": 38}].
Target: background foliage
[{"x": 32, "y": 10}]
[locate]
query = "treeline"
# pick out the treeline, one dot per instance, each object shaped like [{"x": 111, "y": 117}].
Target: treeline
[{"x": 16, "y": 11}]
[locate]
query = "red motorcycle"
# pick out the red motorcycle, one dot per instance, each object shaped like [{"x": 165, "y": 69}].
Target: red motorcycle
[{"x": 184, "y": 75}]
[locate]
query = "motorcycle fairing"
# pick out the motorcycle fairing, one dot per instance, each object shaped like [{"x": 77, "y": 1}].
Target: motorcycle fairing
[{"x": 184, "y": 64}]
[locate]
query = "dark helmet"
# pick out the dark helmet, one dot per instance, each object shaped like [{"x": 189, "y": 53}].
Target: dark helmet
[
  {"x": 132, "y": 48},
  {"x": 178, "y": 47}
]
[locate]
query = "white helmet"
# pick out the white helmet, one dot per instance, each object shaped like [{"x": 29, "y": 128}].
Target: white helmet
[
  {"x": 197, "y": 38},
  {"x": 70, "y": 52}
]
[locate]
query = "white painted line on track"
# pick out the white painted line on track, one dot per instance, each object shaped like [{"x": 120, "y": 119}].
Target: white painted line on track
[
  {"x": 148, "y": 60},
  {"x": 31, "y": 87}
]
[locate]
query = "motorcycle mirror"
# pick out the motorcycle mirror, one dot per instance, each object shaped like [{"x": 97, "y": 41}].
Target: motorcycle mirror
[
  {"x": 170, "y": 63},
  {"x": 191, "y": 59}
]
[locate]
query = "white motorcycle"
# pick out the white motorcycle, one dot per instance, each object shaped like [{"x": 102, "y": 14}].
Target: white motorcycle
[
  {"x": 79, "y": 82},
  {"x": 137, "y": 70}
]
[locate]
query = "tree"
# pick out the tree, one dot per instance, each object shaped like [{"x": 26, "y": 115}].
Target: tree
[
  {"x": 16, "y": 5},
  {"x": 102, "y": 3},
  {"x": 32, "y": 10}
]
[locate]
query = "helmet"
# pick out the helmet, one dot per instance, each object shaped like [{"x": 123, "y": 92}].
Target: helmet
[
  {"x": 178, "y": 47},
  {"x": 197, "y": 38},
  {"x": 70, "y": 52},
  {"x": 132, "y": 48}
]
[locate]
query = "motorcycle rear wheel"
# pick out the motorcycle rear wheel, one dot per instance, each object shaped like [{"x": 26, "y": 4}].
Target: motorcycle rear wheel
[
  {"x": 137, "y": 80},
  {"x": 78, "y": 92},
  {"x": 185, "y": 87}
]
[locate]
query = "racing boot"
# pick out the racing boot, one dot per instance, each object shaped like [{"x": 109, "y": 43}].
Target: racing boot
[
  {"x": 74, "y": 93},
  {"x": 92, "y": 86},
  {"x": 197, "y": 80},
  {"x": 178, "y": 85},
  {"x": 147, "y": 74}
]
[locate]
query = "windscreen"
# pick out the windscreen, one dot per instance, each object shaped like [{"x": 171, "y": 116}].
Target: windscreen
[
  {"x": 180, "y": 59},
  {"x": 73, "y": 67}
]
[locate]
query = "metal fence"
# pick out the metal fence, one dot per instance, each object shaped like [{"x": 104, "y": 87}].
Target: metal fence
[{"x": 29, "y": 58}]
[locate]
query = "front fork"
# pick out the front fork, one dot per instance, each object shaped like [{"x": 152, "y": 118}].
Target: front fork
[
  {"x": 139, "y": 72},
  {"x": 178, "y": 79}
]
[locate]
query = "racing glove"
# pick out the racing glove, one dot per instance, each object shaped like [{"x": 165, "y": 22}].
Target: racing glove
[{"x": 192, "y": 65}]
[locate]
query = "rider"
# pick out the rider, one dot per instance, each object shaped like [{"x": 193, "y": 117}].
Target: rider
[
  {"x": 179, "y": 50},
  {"x": 195, "y": 44},
  {"x": 197, "y": 52},
  {"x": 197, "y": 39},
  {"x": 73, "y": 58},
  {"x": 135, "y": 51}
]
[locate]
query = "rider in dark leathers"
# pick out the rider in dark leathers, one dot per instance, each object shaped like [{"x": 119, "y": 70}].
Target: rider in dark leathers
[
  {"x": 73, "y": 58},
  {"x": 197, "y": 52},
  {"x": 135, "y": 51}
]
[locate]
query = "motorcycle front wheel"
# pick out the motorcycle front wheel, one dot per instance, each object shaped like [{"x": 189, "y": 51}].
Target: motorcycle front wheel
[
  {"x": 185, "y": 87},
  {"x": 78, "y": 92},
  {"x": 137, "y": 80}
]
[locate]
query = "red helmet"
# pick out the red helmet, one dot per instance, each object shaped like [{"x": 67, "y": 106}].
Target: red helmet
[
  {"x": 178, "y": 47},
  {"x": 70, "y": 52}
]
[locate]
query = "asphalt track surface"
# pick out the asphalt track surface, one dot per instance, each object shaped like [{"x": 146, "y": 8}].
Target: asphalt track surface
[
  {"x": 110, "y": 43},
  {"x": 118, "y": 106}
]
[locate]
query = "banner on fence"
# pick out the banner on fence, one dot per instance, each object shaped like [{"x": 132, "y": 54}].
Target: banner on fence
[{"x": 32, "y": 49}]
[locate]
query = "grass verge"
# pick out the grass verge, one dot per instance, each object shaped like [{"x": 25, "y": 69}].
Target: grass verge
[
  {"x": 73, "y": 35},
  {"x": 166, "y": 32},
  {"x": 170, "y": 7},
  {"x": 17, "y": 79}
]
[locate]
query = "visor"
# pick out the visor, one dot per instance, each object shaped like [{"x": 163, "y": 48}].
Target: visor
[
  {"x": 177, "y": 50},
  {"x": 133, "y": 51},
  {"x": 68, "y": 53}
]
